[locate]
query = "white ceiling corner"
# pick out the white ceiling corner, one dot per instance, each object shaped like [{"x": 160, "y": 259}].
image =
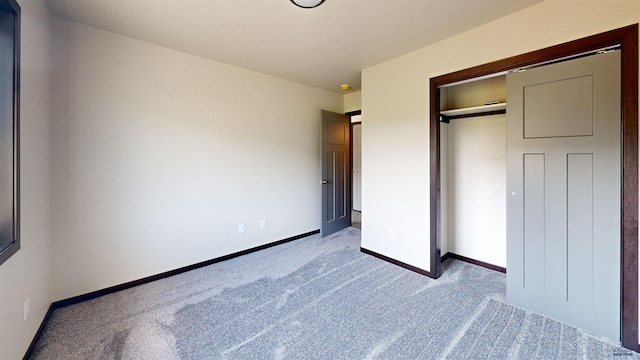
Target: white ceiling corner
[{"x": 322, "y": 47}]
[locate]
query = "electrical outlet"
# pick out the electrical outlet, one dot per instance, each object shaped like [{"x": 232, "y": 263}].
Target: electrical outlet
[
  {"x": 263, "y": 224},
  {"x": 392, "y": 234},
  {"x": 241, "y": 229},
  {"x": 26, "y": 310}
]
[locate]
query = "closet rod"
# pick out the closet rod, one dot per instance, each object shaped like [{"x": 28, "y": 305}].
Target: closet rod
[{"x": 446, "y": 119}]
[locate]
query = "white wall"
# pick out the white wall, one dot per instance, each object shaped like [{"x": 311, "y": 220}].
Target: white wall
[
  {"x": 26, "y": 274},
  {"x": 353, "y": 101},
  {"x": 395, "y": 98},
  {"x": 158, "y": 156}
]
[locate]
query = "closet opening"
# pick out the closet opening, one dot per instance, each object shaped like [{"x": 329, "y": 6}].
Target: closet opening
[
  {"x": 473, "y": 172},
  {"x": 626, "y": 38}
]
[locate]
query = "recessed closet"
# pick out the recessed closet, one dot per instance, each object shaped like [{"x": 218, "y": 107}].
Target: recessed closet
[{"x": 473, "y": 170}]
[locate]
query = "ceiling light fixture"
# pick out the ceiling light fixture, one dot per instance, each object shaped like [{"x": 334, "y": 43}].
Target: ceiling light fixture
[
  {"x": 345, "y": 87},
  {"x": 307, "y": 4}
]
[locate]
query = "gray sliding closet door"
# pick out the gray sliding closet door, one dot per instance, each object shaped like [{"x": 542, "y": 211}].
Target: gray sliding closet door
[{"x": 563, "y": 191}]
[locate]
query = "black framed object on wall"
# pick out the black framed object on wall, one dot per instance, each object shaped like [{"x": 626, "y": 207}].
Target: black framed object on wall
[{"x": 9, "y": 129}]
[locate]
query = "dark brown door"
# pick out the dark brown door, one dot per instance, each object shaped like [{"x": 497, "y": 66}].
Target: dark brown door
[{"x": 336, "y": 167}]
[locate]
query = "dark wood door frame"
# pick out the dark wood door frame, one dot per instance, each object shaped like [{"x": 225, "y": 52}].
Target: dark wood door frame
[{"x": 627, "y": 38}]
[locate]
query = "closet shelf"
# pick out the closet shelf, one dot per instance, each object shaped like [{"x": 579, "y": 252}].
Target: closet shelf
[{"x": 499, "y": 108}]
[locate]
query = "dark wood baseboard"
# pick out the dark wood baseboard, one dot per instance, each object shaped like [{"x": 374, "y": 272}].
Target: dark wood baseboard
[
  {"x": 110, "y": 290},
  {"x": 474, "y": 262},
  {"x": 444, "y": 257},
  {"x": 396, "y": 262}
]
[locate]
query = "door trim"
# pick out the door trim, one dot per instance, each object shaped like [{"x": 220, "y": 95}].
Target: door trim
[{"x": 627, "y": 38}]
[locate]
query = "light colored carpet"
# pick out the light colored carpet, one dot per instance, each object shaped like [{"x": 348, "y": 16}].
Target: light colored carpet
[{"x": 316, "y": 298}]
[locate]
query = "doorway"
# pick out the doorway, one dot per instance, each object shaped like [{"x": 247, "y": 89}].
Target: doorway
[
  {"x": 356, "y": 170},
  {"x": 626, "y": 38}
]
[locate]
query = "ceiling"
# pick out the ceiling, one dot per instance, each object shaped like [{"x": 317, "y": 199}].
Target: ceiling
[{"x": 322, "y": 47}]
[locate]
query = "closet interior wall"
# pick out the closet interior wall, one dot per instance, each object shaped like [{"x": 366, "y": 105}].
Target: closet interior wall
[{"x": 473, "y": 174}]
